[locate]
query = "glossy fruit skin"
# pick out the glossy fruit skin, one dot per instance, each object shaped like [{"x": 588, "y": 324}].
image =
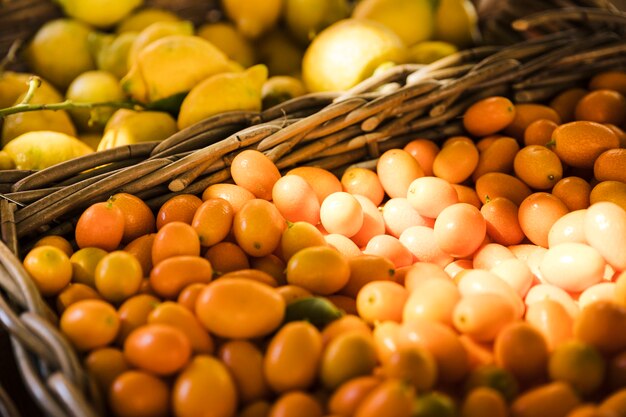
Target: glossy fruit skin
[
  {"x": 179, "y": 208},
  {"x": 138, "y": 217},
  {"x": 255, "y": 172},
  {"x": 605, "y": 230},
  {"x": 244, "y": 361},
  {"x": 257, "y": 227},
  {"x": 212, "y": 221},
  {"x": 134, "y": 312},
  {"x": 174, "y": 239},
  {"x": 170, "y": 276},
  {"x": 175, "y": 315},
  {"x": 240, "y": 308},
  {"x": 118, "y": 276},
  {"x": 90, "y": 324},
  {"x": 482, "y": 316},
  {"x": 204, "y": 387},
  {"x": 396, "y": 170},
  {"x": 50, "y": 269},
  {"x": 135, "y": 393},
  {"x": 101, "y": 225},
  {"x": 292, "y": 357},
  {"x": 488, "y": 116},
  {"x": 319, "y": 269},
  {"x": 381, "y": 300},
  {"x": 157, "y": 348},
  {"x": 572, "y": 266},
  {"x": 460, "y": 229}
]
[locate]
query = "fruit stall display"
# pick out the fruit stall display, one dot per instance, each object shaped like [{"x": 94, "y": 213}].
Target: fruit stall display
[{"x": 315, "y": 208}]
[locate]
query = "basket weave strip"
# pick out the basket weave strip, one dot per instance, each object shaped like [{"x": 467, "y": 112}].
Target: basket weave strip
[{"x": 328, "y": 130}]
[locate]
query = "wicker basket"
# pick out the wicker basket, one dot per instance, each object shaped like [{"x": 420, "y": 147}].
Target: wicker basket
[{"x": 547, "y": 52}]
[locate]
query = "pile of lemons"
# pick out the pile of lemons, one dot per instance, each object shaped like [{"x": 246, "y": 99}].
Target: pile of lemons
[{"x": 143, "y": 59}]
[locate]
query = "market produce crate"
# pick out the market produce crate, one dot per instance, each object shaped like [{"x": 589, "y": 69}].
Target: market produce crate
[{"x": 530, "y": 52}]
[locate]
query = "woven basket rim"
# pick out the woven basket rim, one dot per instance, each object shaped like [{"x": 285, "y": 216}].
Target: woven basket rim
[{"x": 331, "y": 130}]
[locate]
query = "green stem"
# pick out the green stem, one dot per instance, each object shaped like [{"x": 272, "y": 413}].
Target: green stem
[
  {"x": 68, "y": 104},
  {"x": 34, "y": 83}
]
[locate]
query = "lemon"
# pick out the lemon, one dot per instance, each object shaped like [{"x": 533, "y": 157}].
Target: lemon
[
  {"x": 306, "y": 18},
  {"x": 6, "y": 162},
  {"x": 112, "y": 52},
  {"x": 59, "y": 121},
  {"x": 225, "y": 36},
  {"x": 281, "y": 88},
  {"x": 223, "y": 92},
  {"x": 126, "y": 127},
  {"x": 12, "y": 85},
  {"x": 93, "y": 87},
  {"x": 252, "y": 17},
  {"x": 60, "y": 51},
  {"x": 99, "y": 13},
  {"x": 347, "y": 52},
  {"x": 156, "y": 31},
  {"x": 43, "y": 148},
  {"x": 173, "y": 65},
  {"x": 281, "y": 54},
  {"x": 456, "y": 21},
  {"x": 426, "y": 52},
  {"x": 141, "y": 19},
  {"x": 412, "y": 20}
]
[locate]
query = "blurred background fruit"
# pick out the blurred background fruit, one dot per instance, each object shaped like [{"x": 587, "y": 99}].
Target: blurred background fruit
[
  {"x": 412, "y": 20},
  {"x": 306, "y": 18},
  {"x": 253, "y": 18},
  {"x": 225, "y": 36},
  {"x": 347, "y": 52},
  {"x": 93, "y": 87},
  {"x": 59, "y": 52},
  {"x": 99, "y": 13}
]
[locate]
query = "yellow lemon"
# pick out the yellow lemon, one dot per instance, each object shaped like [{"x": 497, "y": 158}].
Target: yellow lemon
[
  {"x": 281, "y": 54},
  {"x": 99, "y": 13},
  {"x": 223, "y": 92},
  {"x": 12, "y": 85},
  {"x": 141, "y": 19},
  {"x": 93, "y": 87},
  {"x": 6, "y": 162},
  {"x": 456, "y": 21},
  {"x": 281, "y": 88},
  {"x": 17, "y": 124},
  {"x": 306, "y": 18},
  {"x": 173, "y": 65},
  {"x": 156, "y": 31},
  {"x": 252, "y": 17},
  {"x": 126, "y": 127},
  {"x": 43, "y": 148},
  {"x": 348, "y": 52},
  {"x": 60, "y": 51},
  {"x": 225, "y": 36},
  {"x": 426, "y": 52},
  {"x": 111, "y": 52},
  {"x": 412, "y": 20}
]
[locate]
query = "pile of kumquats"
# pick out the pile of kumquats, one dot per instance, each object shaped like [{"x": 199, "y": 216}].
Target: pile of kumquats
[{"x": 478, "y": 276}]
